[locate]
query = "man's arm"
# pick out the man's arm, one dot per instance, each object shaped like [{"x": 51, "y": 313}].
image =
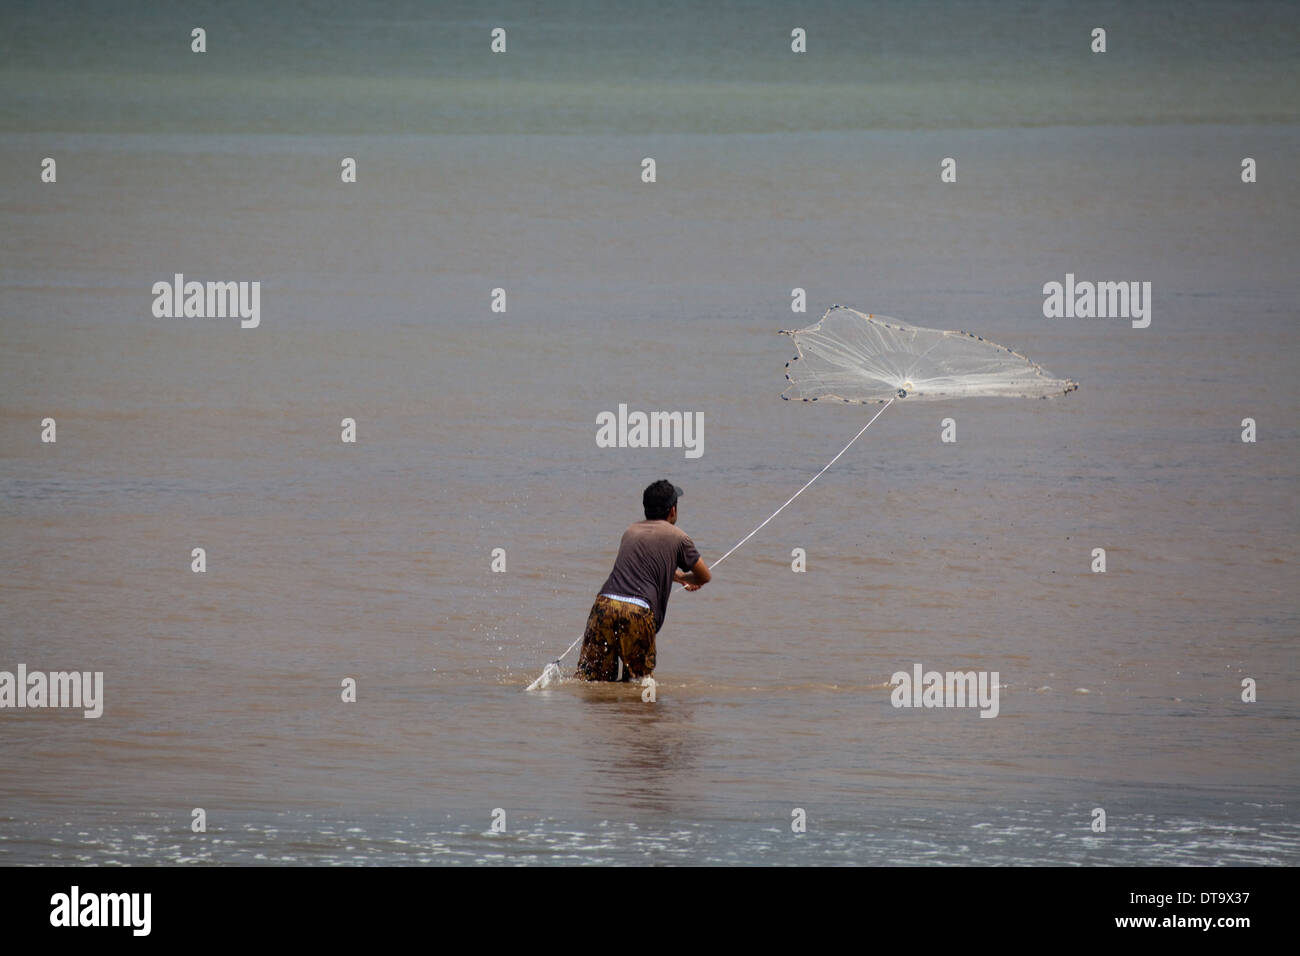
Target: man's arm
[{"x": 696, "y": 578}]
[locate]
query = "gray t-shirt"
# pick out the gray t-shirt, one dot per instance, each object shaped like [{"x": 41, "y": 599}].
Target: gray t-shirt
[{"x": 647, "y": 556}]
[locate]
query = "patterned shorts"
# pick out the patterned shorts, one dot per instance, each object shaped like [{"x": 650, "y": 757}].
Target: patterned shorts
[{"x": 617, "y": 631}]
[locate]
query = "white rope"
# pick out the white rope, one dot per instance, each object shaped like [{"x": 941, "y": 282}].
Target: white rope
[
  {"x": 774, "y": 513},
  {"x": 566, "y": 653},
  {"x": 805, "y": 487}
]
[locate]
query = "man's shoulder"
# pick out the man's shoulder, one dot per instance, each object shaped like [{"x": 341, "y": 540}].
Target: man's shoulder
[{"x": 658, "y": 529}]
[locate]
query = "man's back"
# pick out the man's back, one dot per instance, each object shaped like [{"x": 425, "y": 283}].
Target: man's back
[{"x": 648, "y": 554}]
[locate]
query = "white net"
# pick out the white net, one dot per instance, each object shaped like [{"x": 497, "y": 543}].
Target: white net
[{"x": 852, "y": 357}]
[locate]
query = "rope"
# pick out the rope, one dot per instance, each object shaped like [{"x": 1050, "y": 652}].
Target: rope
[
  {"x": 777, "y": 511},
  {"x": 805, "y": 487}
]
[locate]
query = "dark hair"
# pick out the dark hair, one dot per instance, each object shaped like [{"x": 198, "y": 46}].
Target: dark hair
[{"x": 658, "y": 500}]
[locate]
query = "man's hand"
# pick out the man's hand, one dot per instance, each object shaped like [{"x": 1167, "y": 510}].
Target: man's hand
[{"x": 694, "y": 579}]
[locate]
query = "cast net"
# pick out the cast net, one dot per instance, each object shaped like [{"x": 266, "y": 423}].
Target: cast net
[{"x": 852, "y": 357}]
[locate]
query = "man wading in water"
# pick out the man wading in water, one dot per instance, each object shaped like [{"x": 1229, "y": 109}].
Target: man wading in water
[{"x": 619, "y": 642}]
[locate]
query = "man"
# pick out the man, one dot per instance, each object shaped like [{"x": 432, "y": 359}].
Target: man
[{"x": 619, "y": 642}]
